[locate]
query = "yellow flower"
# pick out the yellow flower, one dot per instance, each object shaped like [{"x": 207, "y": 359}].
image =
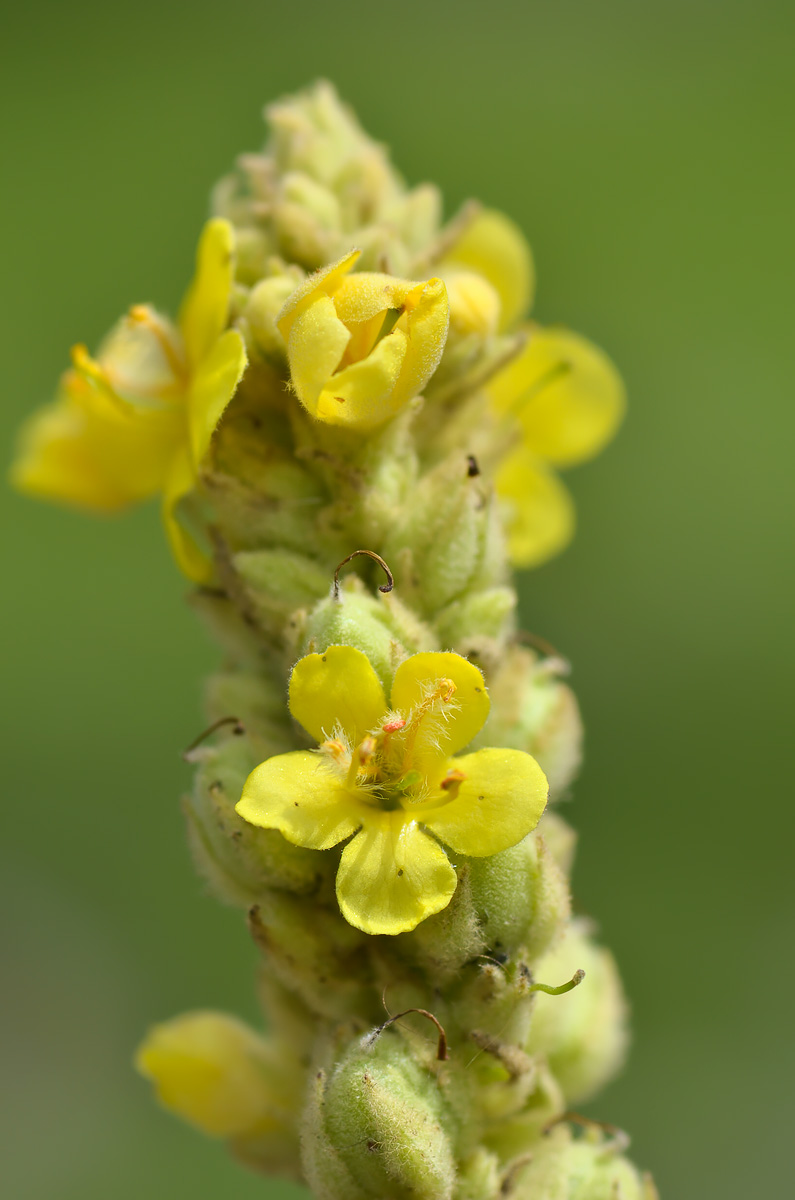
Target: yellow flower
[
  {"x": 385, "y": 774},
  {"x": 568, "y": 400},
  {"x": 494, "y": 247},
  {"x": 361, "y": 346},
  {"x": 215, "y": 1072},
  {"x": 138, "y": 419}
]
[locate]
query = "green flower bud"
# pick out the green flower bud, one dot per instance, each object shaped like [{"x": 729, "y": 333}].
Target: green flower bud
[
  {"x": 480, "y": 615},
  {"x": 563, "y": 1168},
  {"x": 264, "y": 305},
  {"x": 532, "y": 710},
  {"x": 380, "y": 626},
  {"x": 385, "y": 1121},
  {"x": 315, "y": 953},
  {"x": 350, "y": 618},
  {"x": 307, "y": 220},
  {"x": 257, "y": 701},
  {"x": 449, "y": 539},
  {"x": 479, "y": 1176},
  {"x": 517, "y": 1102},
  {"x": 259, "y": 494},
  {"x": 582, "y": 1034},
  {"x": 239, "y": 861},
  {"x": 323, "y": 1165},
  {"x": 521, "y": 897},
  {"x": 274, "y": 583},
  {"x": 510, "y": 904}
]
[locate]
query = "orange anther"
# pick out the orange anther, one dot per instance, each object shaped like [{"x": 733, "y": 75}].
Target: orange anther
[{"x": 453, "y": 779}]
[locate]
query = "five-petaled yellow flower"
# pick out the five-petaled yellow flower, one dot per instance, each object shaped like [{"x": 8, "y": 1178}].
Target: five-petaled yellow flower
[
  {"x": 138, "y": 419},
  {"x": 562, "y": 392},
  {"x": 568, "y": 400},
  {"x": 361, "y": 346},
  {"x": 385, "y": 778}
]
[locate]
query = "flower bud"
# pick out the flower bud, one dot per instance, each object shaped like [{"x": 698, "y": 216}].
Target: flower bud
[
  {"x": 583, "y": 1169},
  {"x": 491, "y": 244},
  {"x": 315, "y": 953},
  {"x": 362, "y": 346},
  {"x": 521, "y": 897},
  {"x": 582, "y": 1034},
  {"x": 275, "y": 583},
  {"x": 355, "y": 619},
  {"x": 381, "y": 1119},
  {"x": 533, "y": 710},
  {"x": 479, "y": 1176},
  {"x": 380, "y": 626},
  {"x": 264, "y": 305},
  {"x": 448, "y": 540},
  {"x": 216, "y": 1073},
  {"x": 509, "y": 904},
  {"x": 483, "y": 614},
  {"x": 238, "y": 860}
]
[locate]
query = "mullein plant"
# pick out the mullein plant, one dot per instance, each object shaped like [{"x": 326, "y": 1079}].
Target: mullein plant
[{"x": 355, "y": 431}]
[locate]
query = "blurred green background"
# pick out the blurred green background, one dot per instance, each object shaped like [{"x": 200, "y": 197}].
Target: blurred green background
[{"x": 647, "y": 150}]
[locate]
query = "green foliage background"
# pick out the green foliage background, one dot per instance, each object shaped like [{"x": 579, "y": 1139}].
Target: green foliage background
[{"x": 646, "y": 149}]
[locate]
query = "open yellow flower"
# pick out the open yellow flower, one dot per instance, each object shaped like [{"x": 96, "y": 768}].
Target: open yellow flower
[
  {"x": 568, "y": 400},
  {"x": 138, "y": 419},
  {"x": 361, "y": 346},
  {"x": 385, "y": 773}
]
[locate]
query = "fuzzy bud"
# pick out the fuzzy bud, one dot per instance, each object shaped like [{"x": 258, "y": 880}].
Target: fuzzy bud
[
  {"x": 582, "y": 1034},
  {"x": 264, "y": 305},
  {"x": 383, "y": 1120},
  {"x": 584, "y": 1169},
  {"x": 238, "y": 860},
  {"x": 448, "y": 540},
  {"x": 532, "y": 710}
]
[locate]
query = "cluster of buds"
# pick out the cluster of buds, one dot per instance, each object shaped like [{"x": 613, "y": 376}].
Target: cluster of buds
[{"x": 355, "y": 431}]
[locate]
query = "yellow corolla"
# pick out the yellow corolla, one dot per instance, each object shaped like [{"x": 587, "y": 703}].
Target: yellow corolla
[
  {"x": 568, "y": 400},
  {"x": 138, "y": 419},
  {"x": 214, "y": 1071},
  {"x": 384, "y": 777},
  {"x": 564, "y": 393},
  {"x": 492, "y": 246},
  {"x": 361, "y": 346}
]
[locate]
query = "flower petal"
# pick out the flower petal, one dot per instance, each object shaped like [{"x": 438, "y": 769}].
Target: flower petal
[
  {"x": 468, "y": 706},
  {"x": 92, "y": 450},
  {"x": 500, "y": 800},
  {"x": 205, "y": 309},
  {"x": 210, "y": 1069},
  {"x": 316, "y": 342},
  {"x": 392, "y": 875},
  {"x": 337, "y": 687},
  {"x": 364, "y": 394},
  {"x": 299, "y": 794},
  {"x": 496, "y": 248},
  {"x": 212, "y": 387},
  {"x": 322, "y": 283},
  {"x": 539, "y": 512},
  {"x": 362, "y": 296},
  {"x": 566, "y": 393},
  {"x": 425, "y": 318},
  {"x": 190, "y": 558}
]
